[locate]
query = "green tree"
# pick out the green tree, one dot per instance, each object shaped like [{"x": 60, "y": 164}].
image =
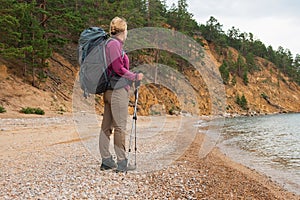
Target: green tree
[
  {"x": 186, "y": 23},
  {"x": 212, "y": 30},
  {"x": 242, "y": 102},
  {"x": 284, "y": 61},
  {"x": 296, "y": 65},
  {"x": 32, "y": 29},
  {"x": 10, "y": 30},
  {"x": 233, "y": 38},
  {"x": 63, "y": 20},
  {"x": 245, "y": 77},
  {"x": 250, "y": 62},
  {"x": 179, "y": 18},
  {"x": 271, "y": 56},
  {"x": 240, "y": 65},
  {"x": 296, "y": 62},
  {"x": 33, "y": 37},
  {"x": 259, "y": 49},
  {"x": 155, "y": 13},
  {"x": 224, "y": 72},
  {"x": 233, "y": 80}
]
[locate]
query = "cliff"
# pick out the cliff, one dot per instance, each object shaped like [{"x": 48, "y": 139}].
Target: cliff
[{"x": 268, "y": 90}]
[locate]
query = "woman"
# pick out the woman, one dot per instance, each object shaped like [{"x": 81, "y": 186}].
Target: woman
[{"x": 116, "y": 99}]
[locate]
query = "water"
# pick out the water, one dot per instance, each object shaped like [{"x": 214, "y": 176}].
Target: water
[{"x": 270, "y": 144}]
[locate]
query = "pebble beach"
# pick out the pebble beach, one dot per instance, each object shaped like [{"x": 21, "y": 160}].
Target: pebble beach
[{"x": 46, "y": 158}]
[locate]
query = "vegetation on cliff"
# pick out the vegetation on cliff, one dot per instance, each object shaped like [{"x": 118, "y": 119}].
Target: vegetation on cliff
[{"x": 33, "y": 31}]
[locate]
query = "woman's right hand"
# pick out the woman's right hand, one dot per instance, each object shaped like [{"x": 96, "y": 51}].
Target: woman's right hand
[{"x": 139, "y": 76}]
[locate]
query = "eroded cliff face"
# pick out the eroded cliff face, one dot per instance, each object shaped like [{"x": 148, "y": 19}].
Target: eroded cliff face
[{"x": 268, "y": 91}]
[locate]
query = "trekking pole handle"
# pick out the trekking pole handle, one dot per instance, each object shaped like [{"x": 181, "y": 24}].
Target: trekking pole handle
[
  {"x": 137, "y": 86},
  {"x": 137, "y": 83}
]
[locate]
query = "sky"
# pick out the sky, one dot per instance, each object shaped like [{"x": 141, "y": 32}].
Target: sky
[{"x": 273, "y": 22}]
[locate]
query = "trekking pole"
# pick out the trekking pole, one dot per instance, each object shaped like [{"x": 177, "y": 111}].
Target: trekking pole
[{"x": 133, "y": 127}]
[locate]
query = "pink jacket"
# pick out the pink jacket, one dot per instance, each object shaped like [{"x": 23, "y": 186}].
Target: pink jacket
[{"x": 117, "y": 62}]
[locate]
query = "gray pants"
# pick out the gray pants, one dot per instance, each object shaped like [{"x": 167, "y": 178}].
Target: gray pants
[{"x": 114, "y": 117}]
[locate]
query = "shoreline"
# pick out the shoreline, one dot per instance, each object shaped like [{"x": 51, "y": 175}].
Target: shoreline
[
  {"x": 255, "y": 114},
  {"x": 281, "y": 177},
  {"x": 265, "y": 184},
  {"x": 53, "y": 161},
  {"x": 274, "y": 161}
]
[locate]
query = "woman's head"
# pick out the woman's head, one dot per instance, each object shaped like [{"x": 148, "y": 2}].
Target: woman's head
[{"x": 118, "y": 26}]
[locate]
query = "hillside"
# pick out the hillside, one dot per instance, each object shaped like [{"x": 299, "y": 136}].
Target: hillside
[{"x": 267, "y": 92}]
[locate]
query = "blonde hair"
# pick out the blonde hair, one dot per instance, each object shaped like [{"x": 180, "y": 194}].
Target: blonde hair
[{"x": 117, "y": 25}]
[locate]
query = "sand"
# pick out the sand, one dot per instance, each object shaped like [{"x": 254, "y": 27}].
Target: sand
[{"x": 51, "y": 158}]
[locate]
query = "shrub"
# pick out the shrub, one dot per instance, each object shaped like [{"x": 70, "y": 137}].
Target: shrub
[
  {"x": 242, "y": 102},
  {"x": 2, "y": 110},
  {"x": 233, "y": 80},
  {"x": 29, "y": 110},
  {"x": 245, "y": 78},
  {"x": 224, "y": 72}
]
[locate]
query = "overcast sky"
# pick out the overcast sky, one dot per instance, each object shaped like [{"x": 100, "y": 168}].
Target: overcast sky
[{"x": 274, "y": 22}]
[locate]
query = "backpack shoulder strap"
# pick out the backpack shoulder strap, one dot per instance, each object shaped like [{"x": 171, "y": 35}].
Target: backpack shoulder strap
[{"x": 110, "y": 39}]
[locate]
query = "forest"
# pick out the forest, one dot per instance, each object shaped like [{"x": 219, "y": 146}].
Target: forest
[{"x": 31, "y": 30}]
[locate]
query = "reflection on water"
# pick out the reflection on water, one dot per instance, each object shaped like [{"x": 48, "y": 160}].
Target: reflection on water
[{"x": 270, "y": 144}]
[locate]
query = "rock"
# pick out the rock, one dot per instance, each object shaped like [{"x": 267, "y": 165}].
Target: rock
[{"x": 158, "y": 109}]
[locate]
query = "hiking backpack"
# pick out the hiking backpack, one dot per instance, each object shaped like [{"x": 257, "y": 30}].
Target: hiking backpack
[{"x": 92, "y": 60}]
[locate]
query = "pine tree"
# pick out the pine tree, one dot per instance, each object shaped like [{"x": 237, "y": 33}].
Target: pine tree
[
  {"x": 34, "y": 37},
  {"x": 243, "y": 102},
  {"x": 224, "y": 72},
  {"x": 155, "y": 13},
  {"x": 10, "y": 29}
]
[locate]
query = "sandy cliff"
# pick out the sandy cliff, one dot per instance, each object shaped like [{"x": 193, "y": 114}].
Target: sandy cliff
[{"x": 268, "y": 90}]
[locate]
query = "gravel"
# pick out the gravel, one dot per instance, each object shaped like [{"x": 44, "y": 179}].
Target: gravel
[{"x": 45, "y": 158}]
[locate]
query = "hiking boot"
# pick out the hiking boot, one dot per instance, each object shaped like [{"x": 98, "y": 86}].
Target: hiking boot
[
  {"x": 108, "y": 163},
  {"x": 123, "y": 167}
]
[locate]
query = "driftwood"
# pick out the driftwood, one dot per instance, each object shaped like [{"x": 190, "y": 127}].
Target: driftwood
[
  {"x": 60, "y": 93},
  {"x": 54, "y": 87},
  {"x": 56, "y": 79},
  {"x": 271, "y": 103}
]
